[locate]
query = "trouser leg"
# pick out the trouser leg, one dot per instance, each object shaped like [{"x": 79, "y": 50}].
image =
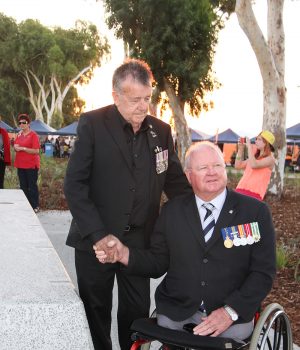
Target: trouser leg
[
  {"x": 22, "y": 175},
  {"x": 134, "y": 302},
  {"x": 2, "y": 172},
  {"x": 95, "y": 283},
  {"x": 133, "y": 292},
  {"x": 33, "y": 191}
]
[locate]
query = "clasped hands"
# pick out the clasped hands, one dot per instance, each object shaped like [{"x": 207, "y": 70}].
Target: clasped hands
[{"x": 110, "y": 250}]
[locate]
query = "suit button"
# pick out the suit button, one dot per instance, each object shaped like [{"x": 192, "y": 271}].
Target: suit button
[
  {"x": 205, "y": 261},
  {"x": 132, "y": 189},
  {"x": 203, "y": 283}
]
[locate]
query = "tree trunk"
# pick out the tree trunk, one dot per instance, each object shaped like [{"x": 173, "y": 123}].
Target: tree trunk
[
  {"x": 270, "y": 56},
  {"x": 62, "y": 94},
  {"x": 183, "y": 136}
]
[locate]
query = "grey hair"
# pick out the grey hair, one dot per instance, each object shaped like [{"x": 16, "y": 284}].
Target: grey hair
[
  {"x": 138, "y": 70},
  {"x": 197, "y": 147}
]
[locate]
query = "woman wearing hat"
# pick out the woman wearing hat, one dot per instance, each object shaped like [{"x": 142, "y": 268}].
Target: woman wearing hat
[
  {"x": 27, "y": 161},
  {"x": 258, "y": 167}
]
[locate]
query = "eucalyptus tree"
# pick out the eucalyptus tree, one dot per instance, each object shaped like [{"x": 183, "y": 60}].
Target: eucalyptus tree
[
  {"x": 11, "y": 85},
  {"x": 50, "y": 62},
  {"x": 177, "y": 39},
  {"x": 269, "y": 50}
]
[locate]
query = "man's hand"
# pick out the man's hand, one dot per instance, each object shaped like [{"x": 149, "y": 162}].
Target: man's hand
[
  {"x": 107, "y": 246},
  {"x": 214, "y": 324},
  {"x": 110, "y": 249}
]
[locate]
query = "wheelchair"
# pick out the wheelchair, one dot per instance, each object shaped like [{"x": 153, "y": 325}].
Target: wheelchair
[{"x": 272, "y": 331}]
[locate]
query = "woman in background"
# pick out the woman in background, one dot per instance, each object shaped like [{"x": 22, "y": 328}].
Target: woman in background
[
  {"x": 27, "y": 147},
  {"x": 4, "y": 154},
  {"x": 258, "y": 167}
]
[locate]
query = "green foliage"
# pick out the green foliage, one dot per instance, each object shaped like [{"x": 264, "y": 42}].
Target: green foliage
[
  {"x": 72, "y": 108},
  {"x": 282, "y": 256},
  {"x": 11, "y": 180},
  {"x": 50, "y": 181},
  {"x": 177, "y": 39},
  {"x": 12, "y": 100},
  {"x": 29, "y": 48},
  {"x": 57, "y": 121},
  {"x": 297, "y": 271}
]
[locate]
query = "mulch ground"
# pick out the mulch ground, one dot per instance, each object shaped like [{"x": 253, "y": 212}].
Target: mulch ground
[{"x": 286, "y": 288}]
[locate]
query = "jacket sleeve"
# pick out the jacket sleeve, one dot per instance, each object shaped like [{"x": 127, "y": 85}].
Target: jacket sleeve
[
  {"x": 248, "y": 298},
  {"x": 77, "y": 184},
  {"x": 152, "y": 262}
]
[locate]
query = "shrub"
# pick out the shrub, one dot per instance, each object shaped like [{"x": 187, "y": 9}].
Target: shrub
[
  {"x": 50, "y": 182},
  {"x": 282, "y": 256}
]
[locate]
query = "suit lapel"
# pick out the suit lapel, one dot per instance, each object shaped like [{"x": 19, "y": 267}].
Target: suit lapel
[
  {"x": 192, "y": 217},
  {"x": 227, "y": 215},
  {"x": 153, "y": 142},
  {"x": 114, "y": 127}
]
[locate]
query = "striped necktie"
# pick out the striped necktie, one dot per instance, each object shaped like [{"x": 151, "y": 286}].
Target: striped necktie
[{"x": 209, "y": 221}]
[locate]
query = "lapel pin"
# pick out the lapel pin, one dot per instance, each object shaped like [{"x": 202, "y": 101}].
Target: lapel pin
[
  {"x": 230, "y": 211},
  {"x": 153, "y": 134}
]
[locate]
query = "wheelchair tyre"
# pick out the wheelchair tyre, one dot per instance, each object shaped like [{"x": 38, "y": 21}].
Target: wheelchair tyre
[
  {"x": 272, "y": 330},
  {"x": 154, "y": 345}
]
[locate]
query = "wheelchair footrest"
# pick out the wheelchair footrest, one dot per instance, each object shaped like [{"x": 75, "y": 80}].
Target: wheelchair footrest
[{"x": 147, "y": 328}]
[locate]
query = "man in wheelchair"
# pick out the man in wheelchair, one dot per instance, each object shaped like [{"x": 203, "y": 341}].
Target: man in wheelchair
[{"x": 217, "y": 248}]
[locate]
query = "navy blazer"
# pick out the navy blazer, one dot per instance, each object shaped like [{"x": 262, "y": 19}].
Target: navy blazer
[
  {"x": 239, "y": 276},
  {"x": 99, "y": 184}
]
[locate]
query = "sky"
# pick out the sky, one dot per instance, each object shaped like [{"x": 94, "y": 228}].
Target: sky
[{"x": 237, "y": 104}]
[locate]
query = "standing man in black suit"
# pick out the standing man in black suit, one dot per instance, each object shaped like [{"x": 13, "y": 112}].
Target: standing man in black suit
[
  {"x": 220, "y": 261},
  {"x": 122, "y": 161}
]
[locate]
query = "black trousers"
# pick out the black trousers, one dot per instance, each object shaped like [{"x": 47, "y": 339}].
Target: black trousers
[
  {"x": 2, "y": 172},
  {"x": 95, "y": 282},
  {"x": 28, "y": 183}
]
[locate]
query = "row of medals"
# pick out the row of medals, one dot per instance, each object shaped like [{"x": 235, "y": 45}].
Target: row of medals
[{"x": 240, "y": 237}]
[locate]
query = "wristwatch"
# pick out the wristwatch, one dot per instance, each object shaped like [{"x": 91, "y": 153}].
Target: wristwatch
[{"x": 233, "y": 315}]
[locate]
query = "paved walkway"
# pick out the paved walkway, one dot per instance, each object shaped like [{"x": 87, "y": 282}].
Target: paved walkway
[{"x": 56, "y": 224}]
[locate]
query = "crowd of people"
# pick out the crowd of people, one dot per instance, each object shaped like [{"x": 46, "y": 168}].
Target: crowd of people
[{"x": 62, "y": 146}]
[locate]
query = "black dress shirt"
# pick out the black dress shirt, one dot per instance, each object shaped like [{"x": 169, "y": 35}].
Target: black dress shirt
[{"x": 141, "y": 166}]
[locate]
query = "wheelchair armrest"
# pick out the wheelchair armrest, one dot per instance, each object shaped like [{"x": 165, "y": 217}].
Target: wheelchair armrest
[{"x": 147, "y": 328}]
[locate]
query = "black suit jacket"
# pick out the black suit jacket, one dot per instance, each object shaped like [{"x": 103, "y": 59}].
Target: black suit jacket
[
  {"x": 99, "y": 184},
  {"x": 239, "y": 276}
]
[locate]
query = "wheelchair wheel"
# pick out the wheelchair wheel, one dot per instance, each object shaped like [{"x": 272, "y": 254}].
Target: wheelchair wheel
[
  {"x": 272, "y": 330},
  {"x": 154, "y": 345}
]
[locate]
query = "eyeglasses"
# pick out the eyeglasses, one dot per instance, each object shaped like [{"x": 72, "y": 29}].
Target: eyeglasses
[{"x": 23, "y": 123}]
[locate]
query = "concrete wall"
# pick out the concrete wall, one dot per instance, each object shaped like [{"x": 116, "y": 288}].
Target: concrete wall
[{"x": 39, "y": 306}]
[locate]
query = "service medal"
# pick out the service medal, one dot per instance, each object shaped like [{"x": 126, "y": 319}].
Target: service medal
[
  {"x": 250, "y": 239},
  {"x": 242, "y": 234},
  {"x": 236, "y": 242},
  {"x": 243, "y": 241},
  {"x": 228, "y": 243}
]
